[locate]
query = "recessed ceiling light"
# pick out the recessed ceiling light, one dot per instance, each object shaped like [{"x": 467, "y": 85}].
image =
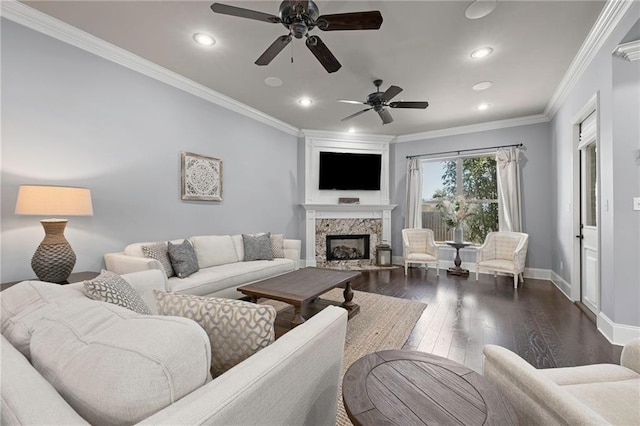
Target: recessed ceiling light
[
  {"x": 480, "y": 8},
  {"x": 483, "y": 85},
  {"x": 273, "y": 81},
  {"x": 204, "y": 39},
  {"x": 351, "y": 130},
  {"x": 483, "y": 107},
  {"x": 481, "y": 53},
  {"x": 305, "y": 102}
]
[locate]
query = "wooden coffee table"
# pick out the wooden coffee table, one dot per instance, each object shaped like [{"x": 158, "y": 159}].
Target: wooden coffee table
[
  {"x": 302, "y": 287},
  {"x": 415, "y": 388}
]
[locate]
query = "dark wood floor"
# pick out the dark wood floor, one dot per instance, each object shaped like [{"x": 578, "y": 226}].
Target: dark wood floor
[{"x": 536, "y": 321}]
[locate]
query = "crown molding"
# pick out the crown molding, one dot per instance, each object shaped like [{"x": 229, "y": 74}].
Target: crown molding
[
  {"x": 45, "y": 24},
  {"x": 610, "y": 17},
  {"x": 473, "y": 128},
  {"x": 345, "y": 136},
  {"x": 629, "y": 51}
]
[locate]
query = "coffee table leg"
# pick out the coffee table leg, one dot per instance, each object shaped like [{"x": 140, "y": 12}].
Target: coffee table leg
[
  {"x": 348, "y": 297},
  {"x": 297, "y": 316}
]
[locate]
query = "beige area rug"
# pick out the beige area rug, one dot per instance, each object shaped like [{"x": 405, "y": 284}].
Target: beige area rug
[{"x": 383, "y": 323}]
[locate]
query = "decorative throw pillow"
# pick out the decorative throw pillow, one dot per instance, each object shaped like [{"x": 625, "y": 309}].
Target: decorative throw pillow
[
  {"x": 277, "y": 245},
  {"x": 158, "y": 251},
  {"x": 183, "y": 258},
  {"x": 112, "y": 288},
  {"x": 236, "y": 329},
  {"x": 257, "y": 247}
]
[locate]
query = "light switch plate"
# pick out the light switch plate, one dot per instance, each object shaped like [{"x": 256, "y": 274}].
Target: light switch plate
[{"x": 636, "y": 203}]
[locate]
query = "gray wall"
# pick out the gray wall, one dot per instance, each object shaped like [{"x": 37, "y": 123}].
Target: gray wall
[
  {"x": 617, "y": 86},
  {"x": 72, "y": 118},
  {"x": 536, "y": 181}
]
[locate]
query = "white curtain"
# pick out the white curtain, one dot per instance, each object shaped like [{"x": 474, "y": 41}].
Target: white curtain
[
  {"x": 509, "y": 197},
  {"x": 413, "y": 215}
]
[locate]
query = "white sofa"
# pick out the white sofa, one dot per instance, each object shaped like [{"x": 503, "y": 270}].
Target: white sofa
[
  {"x": 67, "y": 359},
  {"x": 599, "y": 394},
  {"x": 220, "y": 258}
]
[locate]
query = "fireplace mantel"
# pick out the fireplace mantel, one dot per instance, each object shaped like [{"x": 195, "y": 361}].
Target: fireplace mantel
[{"x": 343, "y": 211}]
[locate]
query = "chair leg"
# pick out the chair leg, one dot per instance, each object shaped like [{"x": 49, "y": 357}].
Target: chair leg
[
  {"x": 477, "y": 269},
  {"x": 495, "y": 274},
  {"x": 522, "y": 277},
  {"x": 515, "y": 280},
  {"x": 405, "y": 267},
  {"x": 437, "y": 269}
]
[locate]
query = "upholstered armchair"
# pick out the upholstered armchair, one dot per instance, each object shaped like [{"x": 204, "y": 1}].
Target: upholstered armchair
[
  {"x": 595, "y": 394},
  {"x": 419, "y": 246},
  {"x": 503, "y": 252}
]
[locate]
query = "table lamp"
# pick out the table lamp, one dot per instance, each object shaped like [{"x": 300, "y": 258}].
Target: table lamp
[{"x": 54, "y": 258}]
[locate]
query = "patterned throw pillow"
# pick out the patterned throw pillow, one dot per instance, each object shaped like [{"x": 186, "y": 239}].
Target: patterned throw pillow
[
  {"x": 236, "y": 329},
  {"x": 158, "y": 251},
  {"x": 183, "y": 258},
  {"x": 112, "y": 288},
  {"x": 257, "y": 247},
  {"x": 277, "y": 245}
]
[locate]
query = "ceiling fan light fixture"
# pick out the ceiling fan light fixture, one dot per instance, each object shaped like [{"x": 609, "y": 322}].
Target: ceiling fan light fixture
[
  {"x": 483, "y": 52},
  {"x": 483, "y": 85},
  {"x": 305, "y": 102},
  {"x": 483, "y": 107},
  {"x": 204, "y": 39},
  {"x": 480, "y": 8}
]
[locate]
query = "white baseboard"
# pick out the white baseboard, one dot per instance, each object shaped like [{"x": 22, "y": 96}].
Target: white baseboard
[
  {"x": 562, "y": 285},
  {"x": 618, "y": 334}
]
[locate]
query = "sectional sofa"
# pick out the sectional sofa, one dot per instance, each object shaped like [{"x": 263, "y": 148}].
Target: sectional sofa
[{"x": 67, "y": 359}]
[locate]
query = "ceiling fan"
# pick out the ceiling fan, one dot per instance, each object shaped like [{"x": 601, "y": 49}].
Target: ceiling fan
[
  {"x": 300, "y": 17},
  {"x": 379, "y": 101}
]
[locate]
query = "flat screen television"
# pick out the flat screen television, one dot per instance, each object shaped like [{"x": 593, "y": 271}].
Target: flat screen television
[{"x": 349, "y": 171}]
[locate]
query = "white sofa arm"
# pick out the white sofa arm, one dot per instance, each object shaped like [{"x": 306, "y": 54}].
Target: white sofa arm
[
  {"x": 144, "y": 282},
  {"x": 292, "y": 381},
  {"x": 630, "y": 356},
  {"x": 292, "y": 250},
  {"x": 121, "y": 263}
]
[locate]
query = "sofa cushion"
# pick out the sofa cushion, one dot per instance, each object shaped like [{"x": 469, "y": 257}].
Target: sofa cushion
[
  {"x": 214, "y": 250},
  {"x": 114, "y": 366},
  {"x": 183, "y": 258},
  {"x": 257, "y": 247},
  {"x": 277, "y": 245},
  {"x": 27, "y": 398},
  {"x": 25, "y": 303},
  {"x": 236, "y": 329},
  {"x": 158, "y": 251},
  {"x": 112, "y": 288},
  {"x": 615, "y": 401},
  {"x": 211, "y": 280}
]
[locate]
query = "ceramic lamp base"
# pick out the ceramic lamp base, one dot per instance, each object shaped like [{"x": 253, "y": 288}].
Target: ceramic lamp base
[{"x": 54, "y": 258}]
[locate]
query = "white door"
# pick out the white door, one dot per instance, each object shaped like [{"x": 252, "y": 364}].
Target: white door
[{"x": 590, "y": 268}]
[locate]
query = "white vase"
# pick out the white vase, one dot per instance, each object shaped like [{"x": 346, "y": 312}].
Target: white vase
[{"x": 458, "y": 236}]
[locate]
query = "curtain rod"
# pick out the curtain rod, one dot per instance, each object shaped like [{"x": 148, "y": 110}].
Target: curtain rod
[{"x": 465, "y": 150}]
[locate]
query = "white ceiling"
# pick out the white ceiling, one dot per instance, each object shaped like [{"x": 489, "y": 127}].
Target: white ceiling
[{"x": 423, "y": 47}]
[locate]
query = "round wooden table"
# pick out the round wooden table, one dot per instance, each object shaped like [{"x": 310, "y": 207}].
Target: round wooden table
[{"x": 415, "y": 388}]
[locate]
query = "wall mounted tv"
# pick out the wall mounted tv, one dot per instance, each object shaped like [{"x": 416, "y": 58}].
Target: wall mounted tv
[{"x": 348, "y": 171}]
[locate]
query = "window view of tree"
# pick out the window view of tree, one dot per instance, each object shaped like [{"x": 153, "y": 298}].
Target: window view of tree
[{"x": 472, "y": 177}]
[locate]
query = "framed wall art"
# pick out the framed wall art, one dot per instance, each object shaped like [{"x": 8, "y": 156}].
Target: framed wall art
[{"x": 201, "y": 177}]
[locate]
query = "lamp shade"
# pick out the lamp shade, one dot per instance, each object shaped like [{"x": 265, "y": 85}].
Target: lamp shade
[{"x": 54, "y": 201}]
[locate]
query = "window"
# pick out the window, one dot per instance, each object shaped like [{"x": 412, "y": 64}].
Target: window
[{"x": 474, "y": 177}]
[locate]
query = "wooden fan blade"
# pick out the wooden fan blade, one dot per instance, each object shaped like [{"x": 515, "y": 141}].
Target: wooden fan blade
[
  {"x": 273, "y": 50},
  {"x": 400, "y": 104},
  {"x": 356, "y": 114},
  {"x": 350, "y": 21},
  {"x": 225, "y": 9},
  {"x": 352, "y": 102},
  {"x": 323, "y": 54},
  {"x": 386, "y": 116},
  {"x": 391, "y": 93}
]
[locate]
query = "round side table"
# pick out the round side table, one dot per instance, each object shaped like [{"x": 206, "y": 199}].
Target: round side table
[{"x": 457, "y": 270}]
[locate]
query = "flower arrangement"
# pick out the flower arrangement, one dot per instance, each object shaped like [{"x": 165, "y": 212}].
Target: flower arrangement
[{"x": 455, "y": 211}]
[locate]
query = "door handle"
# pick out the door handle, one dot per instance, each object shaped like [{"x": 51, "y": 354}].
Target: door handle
[{"x": 580, "y": 237}]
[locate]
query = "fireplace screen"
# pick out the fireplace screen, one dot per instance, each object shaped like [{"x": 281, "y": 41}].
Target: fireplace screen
[{"x": 347, "y": 247}]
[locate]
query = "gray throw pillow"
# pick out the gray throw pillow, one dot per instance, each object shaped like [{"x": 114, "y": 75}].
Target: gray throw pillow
[
  {"x": 277, "y": 245},
  {"x": 112, "y": 288},
  {"x": 158, "y": 251},
  {"x": 257, "y": 247},
  {"x": 183, "y": 258}
]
